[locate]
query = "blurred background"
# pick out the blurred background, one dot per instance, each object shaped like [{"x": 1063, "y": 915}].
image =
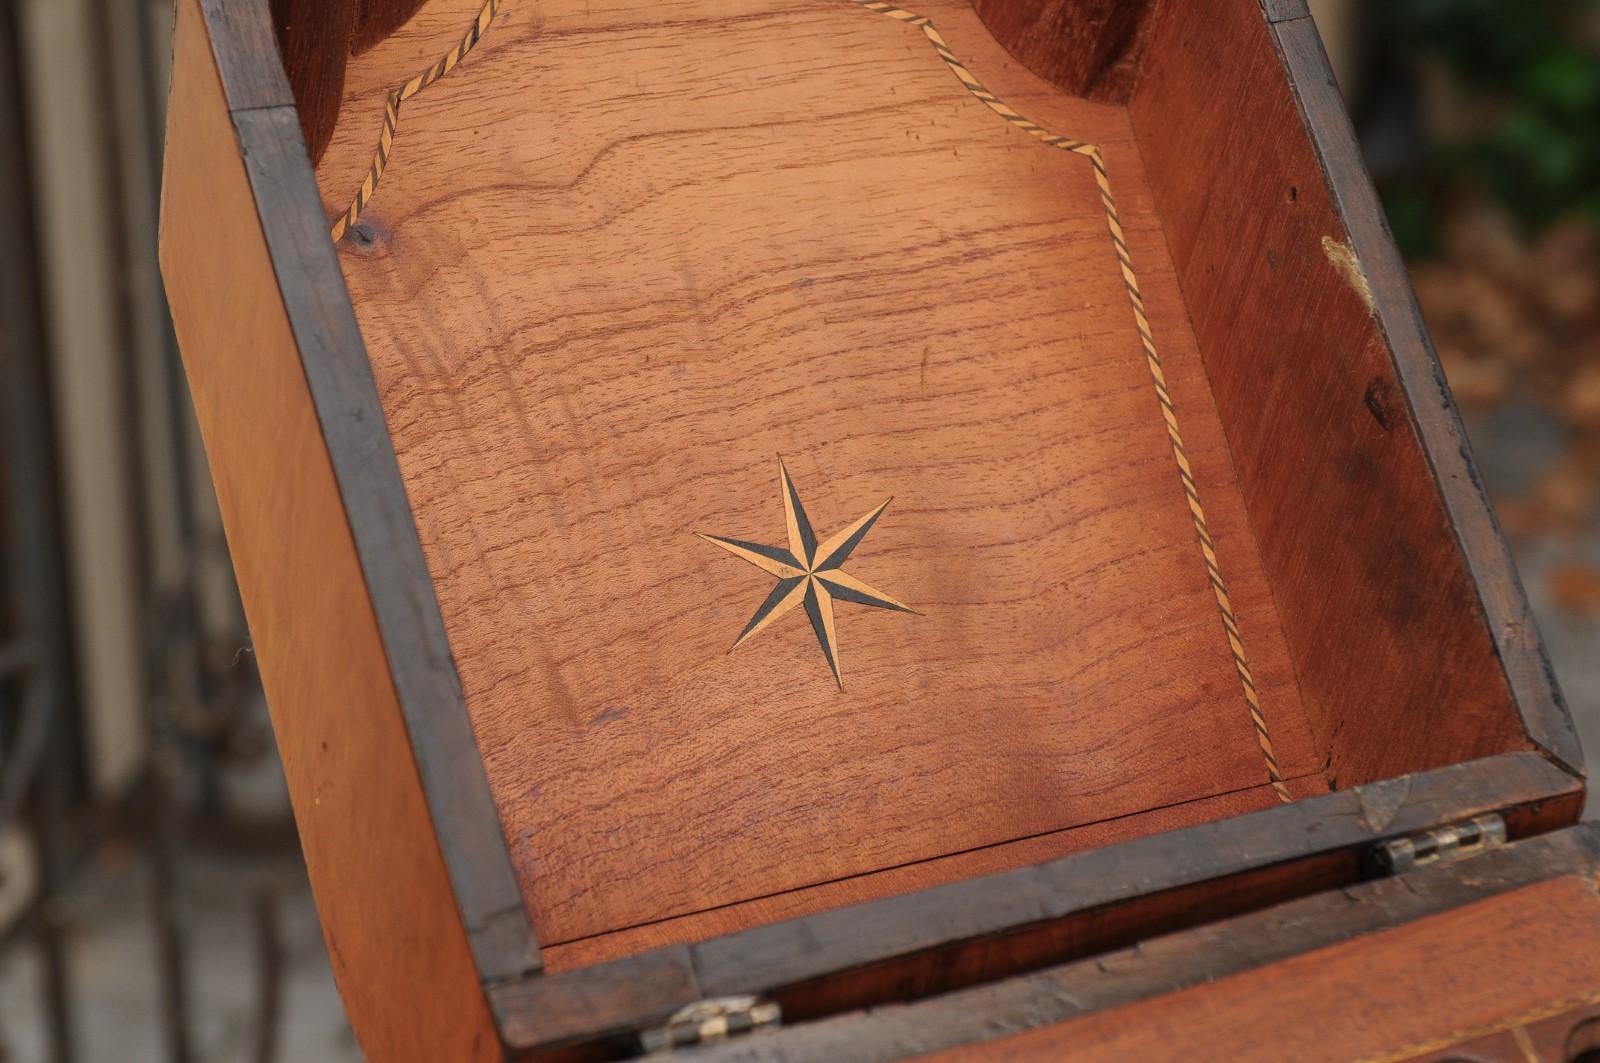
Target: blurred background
[{"x": 152, "y": 902}]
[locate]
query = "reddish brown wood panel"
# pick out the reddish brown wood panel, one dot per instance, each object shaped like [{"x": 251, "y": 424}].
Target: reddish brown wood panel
[
  {"x": 1090, "y": 48},
  {"x": 315, "y": 40},
  {"x": 383, "y": 898},
  {"x": 1545, "y": 719},
  {"x": 903, "y": 880},
  {"x": 1420, "y": 991},
  {"x": 380, "y": 18},
  {"x": 596, "y": 322},
  {"x": 1561, "y": 1038},
  {"x": 1396, "y": 666}
]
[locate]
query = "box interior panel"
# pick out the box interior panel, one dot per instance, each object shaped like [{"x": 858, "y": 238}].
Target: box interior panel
[
  {"x": 626, "y": 257},
  {"x": 714, "y": 922},
  {"x": 1398, "y": 672}
]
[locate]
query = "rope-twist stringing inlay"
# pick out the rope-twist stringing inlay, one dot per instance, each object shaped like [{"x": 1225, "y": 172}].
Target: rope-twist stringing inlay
[
  {"x": 1219, "y": 587},
  {"x": 391, "y": 113},
  {"x": 1230, "y": 623}
]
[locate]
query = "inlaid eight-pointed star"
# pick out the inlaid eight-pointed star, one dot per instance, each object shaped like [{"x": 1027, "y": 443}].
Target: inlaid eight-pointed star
[{"x": 809, "y": 573}]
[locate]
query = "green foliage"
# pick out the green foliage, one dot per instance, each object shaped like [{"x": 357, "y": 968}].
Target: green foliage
[
  {"x": 1528, "y": 72},
  {"x": 1413, "y": 217}
]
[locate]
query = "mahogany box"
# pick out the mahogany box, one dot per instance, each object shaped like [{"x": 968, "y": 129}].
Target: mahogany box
[{"x": 760, "y": 516}]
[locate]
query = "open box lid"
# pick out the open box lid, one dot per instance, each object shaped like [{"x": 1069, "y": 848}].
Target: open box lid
[
  {"x": 1489, "y": 957},
  {"x": 530, "y": 840}
]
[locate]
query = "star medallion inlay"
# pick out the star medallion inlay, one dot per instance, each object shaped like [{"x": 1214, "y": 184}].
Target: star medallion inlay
[{"x": 809, "y": 573}]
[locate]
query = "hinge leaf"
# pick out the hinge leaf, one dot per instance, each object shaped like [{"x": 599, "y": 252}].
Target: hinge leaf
[
  {"x": 1439, "y": 845},
  {"x": 711, "y": 1020}
]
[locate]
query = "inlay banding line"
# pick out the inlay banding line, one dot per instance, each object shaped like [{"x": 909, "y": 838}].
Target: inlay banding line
[
  {"x": 391, "y": 113},
  {"x": 1169, "y": 413}
]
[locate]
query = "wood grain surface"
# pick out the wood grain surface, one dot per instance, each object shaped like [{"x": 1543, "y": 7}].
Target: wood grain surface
[
  {"x": 1424, "y": 990},
  {"x": 383, "y": 897},
  {"x": 1359, "y": 546},
  {"x": 315, "y": 40},
  {"x": 719, "y": 236},
  {"x": 1090, "y": 48},
  {"x": 1571, "y": 1035},
  {"x": 1545, "y": 720},
  {"x": 715, "y": 922}
]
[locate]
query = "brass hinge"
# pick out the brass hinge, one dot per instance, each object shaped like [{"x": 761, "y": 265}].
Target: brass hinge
[
  {"x": 711, "y": 1020},
  {"x": 1440, "y": 845}
]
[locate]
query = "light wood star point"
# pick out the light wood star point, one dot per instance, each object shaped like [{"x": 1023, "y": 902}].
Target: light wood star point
[{"x": 810, "y": 574}]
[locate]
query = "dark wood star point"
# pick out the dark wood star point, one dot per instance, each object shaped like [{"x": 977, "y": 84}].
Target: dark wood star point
[{"x": 810, "y": 574}]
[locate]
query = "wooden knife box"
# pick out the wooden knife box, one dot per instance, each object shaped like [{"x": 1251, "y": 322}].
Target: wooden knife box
[{"x": 1028, "y": 391}]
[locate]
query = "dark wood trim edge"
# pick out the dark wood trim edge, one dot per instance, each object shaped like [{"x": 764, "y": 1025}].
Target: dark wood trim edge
[
  {"x": 964, "y": 933},
  {"x": 1167, "y": 964},
  {"x": 242, "y": 42},
  {"x": 1513, "y": 631},
  {"x": 1283, "y": 10},
  {"x": 340, "y": 380}
]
